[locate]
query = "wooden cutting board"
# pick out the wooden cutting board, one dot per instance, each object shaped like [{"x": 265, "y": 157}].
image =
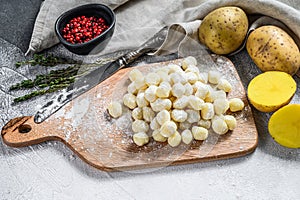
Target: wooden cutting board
[{"x": 105, "y": 143}]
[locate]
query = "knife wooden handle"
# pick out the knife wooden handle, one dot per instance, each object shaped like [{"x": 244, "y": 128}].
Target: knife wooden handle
[{"x": 22, "y": 131}]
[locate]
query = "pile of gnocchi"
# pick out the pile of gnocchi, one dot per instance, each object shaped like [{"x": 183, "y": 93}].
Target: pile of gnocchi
[{"x": 177, "y": 103}]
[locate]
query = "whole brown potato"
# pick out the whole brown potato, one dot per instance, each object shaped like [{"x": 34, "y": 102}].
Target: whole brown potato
[
  {"x": 271, "y": 49},
  {"x": 224, "y": 29}
]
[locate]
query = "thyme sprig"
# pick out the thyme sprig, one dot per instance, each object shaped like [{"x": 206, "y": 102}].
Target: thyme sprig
[
  {"x": 53, "y": 78},
  {"x": 49, "y": 61},
  {"x": 51, "y": 89}
]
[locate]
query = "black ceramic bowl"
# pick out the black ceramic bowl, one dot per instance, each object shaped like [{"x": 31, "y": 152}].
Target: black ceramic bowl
[{"x": 96, "y": 44}]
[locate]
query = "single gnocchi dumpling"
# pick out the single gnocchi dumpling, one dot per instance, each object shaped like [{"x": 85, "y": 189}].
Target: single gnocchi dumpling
[
  {"x": 179, "y": 115},
  {"x": 168, "y": 128},
  {"x": 163, "y": 90},
  {"x": 199, "y": 133},
  {"x": 187, "y": 136},
  {"x": 158, "y": 137},
  {"x": 195, "y": 102},
  {"x": 202, "y": 91},
  {"x": 184, "y": 125},
  {"x": 198, "y": 85},
  {"x": 115, "y": 109},
  {"x": 190, "y": 60},
  {"x": 191, "y": 77},
  {"x": 230, "y": 121},
  {"x": 193, "y": 116},
  {"x": 129, "y": 100},
  {"x": 140, "y": 84},
  {"x": 188, "y": 89},
  {"x": 214, "y": 77},
  {"x": 141, "y": 101},
  {"x": 207, "y": 111},
  {"x": 163, "y": 116},
  {"x": 140, "y": 126},
  {"x": 224, "y": 85},
  {"x": 161, "y": 104},
  {"x": 164, "y": 76},
  {"x": 150, "y": 93},
  {"x": 140, "y": 138},
  {"x": 204, "y": 123},
  {"x": 174, "y": 140},
  {"x": 178, "y": 90},
  {"x": 236, "y": 104},
  {"x": 135, "y": 74},
  {"x": 148, "y": 114},
  {"x": 152, "y": 79},
  {"x": 173, "y": 68},
  {"x": 177, "y": 77},
  {"x": 132, "y": 88},
  {"x": 137, "y": 113},
  {"x": 219, "y": 94},
  {"x": 221, "y": 106},
  {"x": 219, "y": 125},
  {"x": 154, "y": 125},
  {"x": 194, "y": 69}
]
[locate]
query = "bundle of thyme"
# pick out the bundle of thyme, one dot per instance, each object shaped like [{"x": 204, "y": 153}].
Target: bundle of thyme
[
  {"x": 57, "y": 79},
  {"x": 53, "y": 81}
]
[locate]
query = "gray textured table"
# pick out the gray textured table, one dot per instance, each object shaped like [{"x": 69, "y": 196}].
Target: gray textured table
[{"x": 51, "y": 171}]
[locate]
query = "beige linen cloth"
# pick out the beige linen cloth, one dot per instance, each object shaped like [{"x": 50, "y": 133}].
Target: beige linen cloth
[{"x": 138, "y": 20}]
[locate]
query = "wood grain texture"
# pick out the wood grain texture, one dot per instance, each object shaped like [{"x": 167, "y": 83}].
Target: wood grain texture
[{"x": 105, "y": 143}]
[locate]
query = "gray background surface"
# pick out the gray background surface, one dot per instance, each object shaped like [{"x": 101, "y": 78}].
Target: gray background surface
[{"x": 51, "y": 171}]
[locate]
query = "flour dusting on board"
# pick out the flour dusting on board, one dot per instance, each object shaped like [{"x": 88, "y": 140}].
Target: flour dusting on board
[{"x": 80, "y": 109}]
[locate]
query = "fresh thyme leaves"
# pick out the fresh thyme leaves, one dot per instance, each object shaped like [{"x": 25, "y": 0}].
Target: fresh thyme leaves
[
  {"x": 50, "y": 60},
  {"x": 51, "y": 89},
  {"x": 66, "y": 76},
  {"x": 51, "y": 82},
  {"x": 56, "y": 79}
]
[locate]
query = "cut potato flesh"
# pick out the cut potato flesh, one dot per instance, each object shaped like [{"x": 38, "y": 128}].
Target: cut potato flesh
[
  {"x": 284, "y": 126},
  {"x": 271, "y": 90}
]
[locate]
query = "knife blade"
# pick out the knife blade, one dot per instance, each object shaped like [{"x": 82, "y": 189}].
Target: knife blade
[{"x": 96, "y": 76}]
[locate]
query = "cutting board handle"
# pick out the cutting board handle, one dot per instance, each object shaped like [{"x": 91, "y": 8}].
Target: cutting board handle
[{"x": 22, "y": 131}]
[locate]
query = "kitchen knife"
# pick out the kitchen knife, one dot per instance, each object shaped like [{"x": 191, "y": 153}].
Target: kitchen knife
[{"x": 96, "y": 76}]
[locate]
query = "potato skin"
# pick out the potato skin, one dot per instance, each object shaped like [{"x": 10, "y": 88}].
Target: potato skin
[
  {"x": 224, "y": 29},
  {"x": 271, "y": 49}
]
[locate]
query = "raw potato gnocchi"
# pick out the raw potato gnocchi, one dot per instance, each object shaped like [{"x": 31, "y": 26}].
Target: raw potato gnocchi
[
  {"x": 140, "y": 138},
  {"x": 199, "y": 133},
  {"x": 178, "y": 104},
  {"x": 115, "y": 109},
  {"x": 187, "y": 136},
  {"x": 179, "y": 115},
  {"x": 140, "y": 126},
  {"x": 129, "y": 100},
  {"x": 236, "y": 104}
]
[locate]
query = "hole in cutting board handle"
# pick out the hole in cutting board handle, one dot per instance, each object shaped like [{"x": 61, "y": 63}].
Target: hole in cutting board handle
[{"x": 24, "y": 128}]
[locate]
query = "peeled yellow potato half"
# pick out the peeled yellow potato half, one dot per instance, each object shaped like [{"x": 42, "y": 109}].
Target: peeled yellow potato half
[
  {"x": 271, "y": 90},
  {"x": 284, "y": 126}
]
